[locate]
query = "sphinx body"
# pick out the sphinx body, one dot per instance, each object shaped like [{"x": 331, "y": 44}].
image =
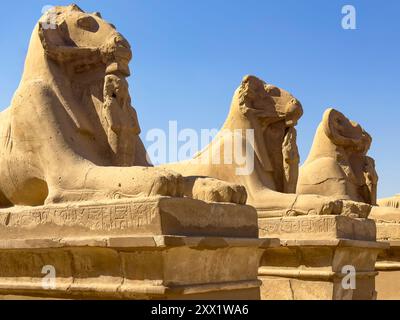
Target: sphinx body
[
  {"x": 71, "y": 133},
  {"x": 271, "y": 114}
]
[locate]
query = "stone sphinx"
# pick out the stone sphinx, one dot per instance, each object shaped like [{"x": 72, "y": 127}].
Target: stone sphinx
[
  {"x": 338, "y": 164},
  {"x": 71, "y": 132},
  {"x": 79, "y": 195},
  {"x": 273, "y": 114}
]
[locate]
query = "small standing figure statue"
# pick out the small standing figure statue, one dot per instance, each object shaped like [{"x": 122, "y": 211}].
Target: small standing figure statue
[{"x": 120, "y": 129}]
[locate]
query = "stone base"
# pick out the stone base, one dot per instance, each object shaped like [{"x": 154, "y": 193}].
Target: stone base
[
  {"x": 388, "y": 264},
  {"x": 155, "y": 249},
  {"x": 161, "y": 267},
  {"x": 314, "y": 250}
]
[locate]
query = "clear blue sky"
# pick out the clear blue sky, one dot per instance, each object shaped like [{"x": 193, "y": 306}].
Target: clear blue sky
[{"x": 189, "y": 56}]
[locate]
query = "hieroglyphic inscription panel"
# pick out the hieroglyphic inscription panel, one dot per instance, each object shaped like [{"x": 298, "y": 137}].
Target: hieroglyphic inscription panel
[
  {"x": 113, "y": 216},
  {"x": 303, "y": 225}
]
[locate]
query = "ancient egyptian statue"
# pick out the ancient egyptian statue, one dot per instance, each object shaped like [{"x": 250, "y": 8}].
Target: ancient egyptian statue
[
  {"x": 272, "y": 113},
  {"x": 71, "y": 133},
  {"x": 338, "y": 164}
]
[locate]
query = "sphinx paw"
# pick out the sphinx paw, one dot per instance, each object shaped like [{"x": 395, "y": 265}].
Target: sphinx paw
[
  {"x": 167, "y": 183},
  {"x": 316, "y": 205},
  {"x": 213, "y": 190}
]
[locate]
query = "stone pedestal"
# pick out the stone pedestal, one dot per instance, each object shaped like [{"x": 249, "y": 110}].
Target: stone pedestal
[
  {"x": 314, "y": 249},
  {"x": 160, "y": 248},
  {"x": 388, "y": 264}
]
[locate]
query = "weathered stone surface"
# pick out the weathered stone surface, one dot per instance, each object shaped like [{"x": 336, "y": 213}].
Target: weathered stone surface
[
  {"x": 388, "y": 266},
  {"x": 156, "y": 215},
  {"x": 388, "y": 263},
  {"x": 318, "y": 227},
  {"x": 388, "y": 231},
  {"x": 154, "y": 248},
  {"x": 313, "y": 251},
  {"x": 313, "y": 269},
  {"x": 160, "y": 248},
  {"x": 148, "y": 267}
]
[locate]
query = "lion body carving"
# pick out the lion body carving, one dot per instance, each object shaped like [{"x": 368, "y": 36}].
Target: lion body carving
[{"x": 70, "y": 132}]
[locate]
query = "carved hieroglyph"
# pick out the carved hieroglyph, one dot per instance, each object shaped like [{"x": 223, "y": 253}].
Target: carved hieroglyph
[
  {"x": 272, "y": 113},
  {"x": 71, "y": 133}
]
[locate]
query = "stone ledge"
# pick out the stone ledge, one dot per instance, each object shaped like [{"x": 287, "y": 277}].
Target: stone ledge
[
  {"x": 153, "y": 267},
  {"x": 394, "y": 243},
  {"x": 312, "y": 274},
  {"x": 387, "y": 266},
  {"x": 140, "y": 242},
  {"x": 336, "y": 243},
  {"x": 123, "y": 291}
]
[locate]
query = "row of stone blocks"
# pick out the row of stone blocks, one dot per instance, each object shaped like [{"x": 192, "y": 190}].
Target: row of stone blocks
[{"x": 166, "y": 248}]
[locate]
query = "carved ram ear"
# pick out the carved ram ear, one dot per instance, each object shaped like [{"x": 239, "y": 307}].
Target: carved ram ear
[
  {"x": 340, "y": 130},
  {"x": 97, "y": 14}
]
